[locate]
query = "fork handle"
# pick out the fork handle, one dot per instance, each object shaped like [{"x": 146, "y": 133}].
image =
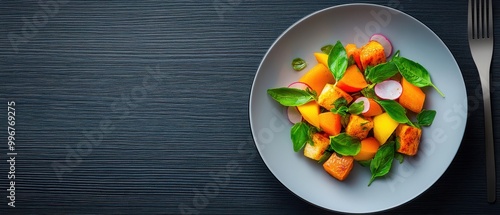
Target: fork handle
[{"x": 490, "y": 149}]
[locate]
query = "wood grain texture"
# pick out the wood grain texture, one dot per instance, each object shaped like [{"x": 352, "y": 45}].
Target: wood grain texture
[{"x": 154, "y": 95}]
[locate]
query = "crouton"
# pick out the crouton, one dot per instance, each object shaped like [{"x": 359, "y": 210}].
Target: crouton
[
  {"x": 359, "y": 126},
  {"x": 339, "y": 167},
  {"x": 409, "y": 139},
  {"x": 318, "y": 148},
  {"x": 330, "y": 94}
]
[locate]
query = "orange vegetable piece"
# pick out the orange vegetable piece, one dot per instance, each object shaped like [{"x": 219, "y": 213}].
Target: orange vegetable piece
[
  {"x": 375, "y": 108},
  {"x": 409, "y": 139},
  {"x": 352, "y": 50},
  {"x": 330, "y": 94},
  {"x": 353, "y": 80},
  {"x": 369, "y": 147},
  {"x": 330, "y": 123},
  {"x": 310, "y": 112},
  {"x": 317, "y": 77},
  {"x": 339, "y": 167},
  {"x": 372, "y": 54},
  {"x": 322, "y": 58},
  {"x": 412, "y": 98}
]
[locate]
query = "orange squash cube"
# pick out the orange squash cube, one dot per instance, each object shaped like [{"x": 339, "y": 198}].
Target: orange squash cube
[
  {"x": 339, "y": 167},
  {"x": 409, "y": 139}
]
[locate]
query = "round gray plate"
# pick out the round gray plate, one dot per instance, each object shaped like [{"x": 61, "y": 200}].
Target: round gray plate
[{"x": 354, "y": 23}]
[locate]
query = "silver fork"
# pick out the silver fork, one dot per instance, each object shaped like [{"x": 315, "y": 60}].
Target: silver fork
[{"x": 480, "y": 31}]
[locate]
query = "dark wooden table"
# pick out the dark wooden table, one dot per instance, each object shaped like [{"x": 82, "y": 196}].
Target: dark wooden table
[{"x": 141, "y": 107}]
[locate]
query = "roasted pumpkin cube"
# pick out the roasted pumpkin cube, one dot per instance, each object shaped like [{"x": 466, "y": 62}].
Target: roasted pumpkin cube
[
  {"x": 409, "y": 139},
  {"x": 330, "y": 94},
  {"x": 359, "y": 126},
  {"x": 372, "y": 54},
  {"x": 318, "y": 148},
  {"x": 339, "y": 166}
]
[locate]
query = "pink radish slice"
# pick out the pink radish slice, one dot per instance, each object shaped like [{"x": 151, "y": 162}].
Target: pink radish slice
[
  {"x": 366, "y": 103},
  {"x": 388, "y": 89},
  {"x": 384, "y": 42},
  {"x": 299, "y": 85},
  {"x": 293, "y": 115}
]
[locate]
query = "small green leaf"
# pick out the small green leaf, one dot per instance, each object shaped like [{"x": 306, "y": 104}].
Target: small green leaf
[
  {"x": 298, "y": 64},
  {"x": 324, "y": 157},
  {"x": 381, "y": 72},
  {"x": 327, "y": 48},
  {"x": 369, "y": 92},
  {"x": 340, "y": 102},
  {"x": 337, "y": 61},
  {"x": 290, "y": 96},
  {"x": 356, "y": 108},
  {"x": 396, "y": 55},
  {"x": 382, "y": 162},
  {"x": 399, "y": 157},
  {"x": 299, "y": 135},
  {"x": 414, "y": 73},
  {"x": 342, "y": 110},
  {"x": 426, "y": 117},
  {"x": 395, "y": 111},
  {"x": 345, "y": 145},
  {"x": 365, "y": 163},
  {"x": 340, "y": 106}
]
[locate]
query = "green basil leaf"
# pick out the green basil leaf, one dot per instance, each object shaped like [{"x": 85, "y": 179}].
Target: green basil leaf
[
  {"x": 356, "y": 108},
  {"x": 298, "y": 64},
  {"x": 345, "y": 145},
  {"x": 369, "y": 91},
  {"x": 327, "y": 48},
  {"x": 395, "y": 111},
  {"x": 299, "y": 135},
  {"x": 342, "y": 110},
  {"x": 365, "y": 163},
  {"x": 382, "y": 162},
  {"x": 340, "y": 102},
  {"x": 415, "y": 73},
  {"x": 290, "y": 96},
  {"x": 426, "y": 117},
  {"x": 381, "y": 72},
  {"x": 344, "y": 120},
  {"x": 337, "y": 61},
  {"x": 396, "y": 55},
  {"x": 399, "y": 157},
  {"x": 324, "y": 157}
]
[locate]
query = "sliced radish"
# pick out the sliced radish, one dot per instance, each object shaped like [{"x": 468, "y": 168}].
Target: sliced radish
[
  {"x": 293, "y": 114},
  {"x": 388, "y": 89},
  {"x": 366, "y": 103},
  {"x": 386, "y": 43},
  {"x": 299, "y": 85}
]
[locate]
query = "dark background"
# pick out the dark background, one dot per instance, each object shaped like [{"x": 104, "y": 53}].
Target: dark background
[{"x": 132, "y": 107}]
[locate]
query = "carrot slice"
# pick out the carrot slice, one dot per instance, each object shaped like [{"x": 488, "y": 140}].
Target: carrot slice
[
  {"x": 412, "y": 98},
  {"x": 375, "y": 108}
]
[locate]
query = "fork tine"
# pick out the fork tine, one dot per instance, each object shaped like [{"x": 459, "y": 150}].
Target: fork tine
[
  {"x": 490, "y": 19},
  {"x": 480, "y": 19},
  {"x": 469, "y": 21}
]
